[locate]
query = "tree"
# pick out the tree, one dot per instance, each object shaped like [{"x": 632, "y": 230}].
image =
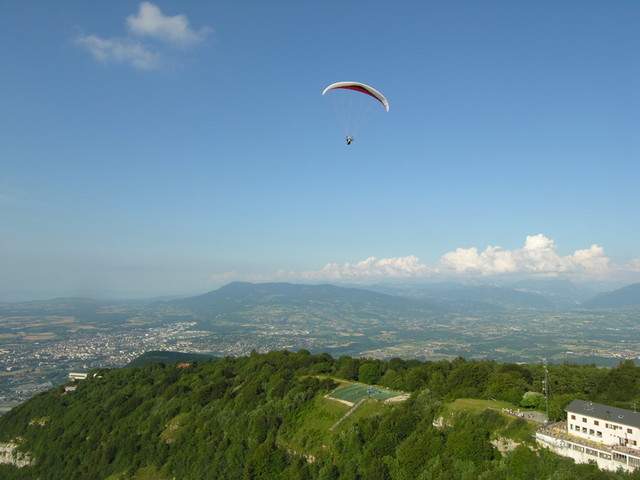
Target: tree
[
  {"x": 369, "y": 373},
  {"x": 391, "y": 379},
  {"x": 415, "y": 379},
  {"x": 267, "y": 462},
  {"x": 411, "y": 455},
  {"x": 468, "y": 379},
  {"x": 347, "y": 368},
  {"x": 532, "y": 400},
  {"x": 469, "y": 438},
  {"x": 621, "y": 383},
  {"x": 557, "y": 404}
]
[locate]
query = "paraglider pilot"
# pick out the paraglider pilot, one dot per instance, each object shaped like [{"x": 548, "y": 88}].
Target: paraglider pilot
[{"x": 349, "y": 140}]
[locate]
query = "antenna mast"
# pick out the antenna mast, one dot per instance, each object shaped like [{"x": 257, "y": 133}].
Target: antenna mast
[{"x": 545, "y": 384}]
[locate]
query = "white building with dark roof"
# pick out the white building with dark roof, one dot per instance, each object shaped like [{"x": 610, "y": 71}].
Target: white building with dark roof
[
  {"x": 601, "y": 423},
  {"x": 607, "y": 435}
]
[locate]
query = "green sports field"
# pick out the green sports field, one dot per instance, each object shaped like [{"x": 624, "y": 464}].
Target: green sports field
[{"x": 356, "y": 392}]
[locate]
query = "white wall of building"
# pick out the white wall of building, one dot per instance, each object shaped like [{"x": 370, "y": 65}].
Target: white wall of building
[{"x": 608, "y": 432}]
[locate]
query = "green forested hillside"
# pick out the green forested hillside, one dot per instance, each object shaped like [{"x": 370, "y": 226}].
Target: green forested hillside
[
  {"x": 266, "y": 417},
  {"x": 162, "y": 356}
]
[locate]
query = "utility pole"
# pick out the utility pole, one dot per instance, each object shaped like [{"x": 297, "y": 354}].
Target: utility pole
[{"x": 545, "y": 385}]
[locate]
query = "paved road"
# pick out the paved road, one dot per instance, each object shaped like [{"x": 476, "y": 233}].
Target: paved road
[{"x": 537, "y": 417}]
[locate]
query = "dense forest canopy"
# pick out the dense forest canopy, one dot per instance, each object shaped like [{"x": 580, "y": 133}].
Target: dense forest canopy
[{"x": 264, "y": 416}]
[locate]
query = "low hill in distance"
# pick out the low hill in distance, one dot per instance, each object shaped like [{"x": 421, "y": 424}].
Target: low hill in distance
[
  {"x": 563, "y": 293},
  {"x": 628, "y": 296},
  {"x": 238, "y": 295},
  {"x": 543, "y": 295},
  {"x": 424, "y": 297},
  {"x": 385, "y": 301},
  {"x": 502, "y": 297},
  {"x": 167, "y": 357}
]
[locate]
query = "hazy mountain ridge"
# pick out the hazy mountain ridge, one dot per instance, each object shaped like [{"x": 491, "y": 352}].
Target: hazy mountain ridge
[
  {"x": 433, "y": 297},
  {"x": 628, "y": 296},
  {"x": 498, "y": 296},
  {"x": 466, "y": 297},
  {"x": 241, "y": 295}
]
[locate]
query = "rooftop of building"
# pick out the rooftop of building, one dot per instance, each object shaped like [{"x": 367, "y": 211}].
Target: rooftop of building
[{"x": 605, "y": 412}]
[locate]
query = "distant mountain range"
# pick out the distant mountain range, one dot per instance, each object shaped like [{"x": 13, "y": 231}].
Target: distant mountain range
[
  {"x": 240, "y": 296},
  {"x": 435, "y": 298},
  {"x": 387, "y": 299},
  {"x": 528, "y": 294},
  {"x": 628, "y": 296}
]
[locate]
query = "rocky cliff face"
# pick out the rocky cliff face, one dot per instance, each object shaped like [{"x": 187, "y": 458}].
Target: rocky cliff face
[{"x": 10, "y": 455}]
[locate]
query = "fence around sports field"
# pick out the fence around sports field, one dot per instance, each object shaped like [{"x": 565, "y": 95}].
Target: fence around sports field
[{"x": 355, "y": 392}]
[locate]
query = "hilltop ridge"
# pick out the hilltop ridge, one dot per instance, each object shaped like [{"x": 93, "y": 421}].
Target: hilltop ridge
[{"x": 267, "y": 416}]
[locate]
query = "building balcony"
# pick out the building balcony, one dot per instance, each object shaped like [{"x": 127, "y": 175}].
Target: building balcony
[{"x": 610, "y": 457}]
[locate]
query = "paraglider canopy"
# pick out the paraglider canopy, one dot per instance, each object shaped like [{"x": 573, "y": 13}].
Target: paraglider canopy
[
  {"x": 355, "y": 104},
  {"x": 360, "y": 87}
]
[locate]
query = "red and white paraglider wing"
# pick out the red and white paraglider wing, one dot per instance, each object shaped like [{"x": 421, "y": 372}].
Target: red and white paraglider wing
[{"x": 360, "y": 87}]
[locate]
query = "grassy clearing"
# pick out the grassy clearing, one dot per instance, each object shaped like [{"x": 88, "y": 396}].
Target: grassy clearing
[
  {"x": 368, "y": 409},
  {"x": 515, "y": 428},
  {"x": 311, "y": 434},
  {"x": 477, "y": 405},
  {"x": 355, "y": 392}
]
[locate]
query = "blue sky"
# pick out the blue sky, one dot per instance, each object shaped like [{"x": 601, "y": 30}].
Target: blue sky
[{"x": 166, "y": 147}]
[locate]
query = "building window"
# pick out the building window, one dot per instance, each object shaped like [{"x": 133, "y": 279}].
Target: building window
[
  {"x": 584, "y": 420},
  {"x": 620, "y": 457},
  {"x": 599, "y": 434},
  {"x": 629, "y": 430},
  {"x": 573, "y": 417},
  {"x": 596, "y": 423},
  {"x": 591, "y": 432}
]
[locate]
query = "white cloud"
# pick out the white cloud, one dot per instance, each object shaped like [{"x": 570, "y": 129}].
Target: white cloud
[
  {"x": 371, "y": 268},
  {"x": 538, "y": 257},
  {"x": 138, "y": 48},
  {"x": 634, "y": 265},
  {"x": 120, "y": 50},
  {"x": 173, "y": 30}
]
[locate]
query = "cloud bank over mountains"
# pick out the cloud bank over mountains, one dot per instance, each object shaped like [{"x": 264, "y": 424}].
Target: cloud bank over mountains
[
  {"x": 539, "y": 255},
  {"x": 151, "y": 40},
  {"x": 538, "y": 258}
]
